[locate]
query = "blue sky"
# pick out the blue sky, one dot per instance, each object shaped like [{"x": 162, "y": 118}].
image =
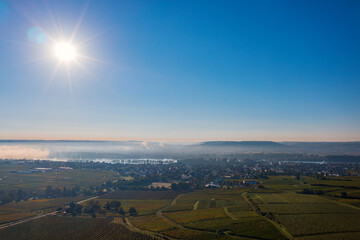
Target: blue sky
[{"x": 182, "y": 70}]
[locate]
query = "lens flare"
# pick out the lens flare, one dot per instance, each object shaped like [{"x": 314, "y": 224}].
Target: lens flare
[{"x": 65, "y": 52}]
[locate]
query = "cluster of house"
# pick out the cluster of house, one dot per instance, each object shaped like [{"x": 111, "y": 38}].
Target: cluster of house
[
  {"x": 36, "y": 170},
  {"x": 231, "y": 183},
  {"x": 159, "y": 185}
]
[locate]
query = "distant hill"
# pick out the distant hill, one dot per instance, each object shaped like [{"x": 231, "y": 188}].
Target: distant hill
[
  {"x": 326, "y": 147},
  {"x": 290, "y": 147},
  {"x": 243, "y": 144}
]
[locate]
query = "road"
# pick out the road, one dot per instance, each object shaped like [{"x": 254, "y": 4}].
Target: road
[{"x": 39, "y": 216}]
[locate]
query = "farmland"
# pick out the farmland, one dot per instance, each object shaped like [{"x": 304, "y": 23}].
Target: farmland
[
  {"x": 71, "y": 228},
  {"x": 223, "y": 212},
  {"x": 309, "y": 216},
  {"x": 276, "y": 207},
  {"x": 143, "y": 207},
  {"x": 270, "y": 213},
  {"x": 13, "y": 180},
  {"x": 18, "y": 210},
  {"x": 133, "y": 194},
  {"x": 55, "y": 228}
]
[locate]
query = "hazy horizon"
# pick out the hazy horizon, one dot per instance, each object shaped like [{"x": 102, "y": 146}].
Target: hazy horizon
[{"x": 180, "y": 71}]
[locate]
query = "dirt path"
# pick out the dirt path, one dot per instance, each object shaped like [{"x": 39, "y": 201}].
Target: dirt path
[
  {"x": 229, "y": 214},
  {"x": 278, "y": 226},
  {"x": 196, "y": 205},
  {"x": 131, "y": 227},
  {"x": 159, "y": 213},
  {"x": 39, "y": 216}
]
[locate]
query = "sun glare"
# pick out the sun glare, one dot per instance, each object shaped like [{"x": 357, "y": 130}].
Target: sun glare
[{"x": 65, "y": 52}]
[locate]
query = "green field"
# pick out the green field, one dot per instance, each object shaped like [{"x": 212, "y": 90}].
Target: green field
[
  {"x": 18, "y": 210},
  {"x": 310, "y": 224},
  {"x": 277, "y": 211},
  {"x": 55, "y": 228},
  {"x": 80, "y": 228},
  {"x": 310, "y": 216},
  {"x": 146, "y": 207},
  {"x": 196, "y": 215},
  {"x": 62, "y": 178}
]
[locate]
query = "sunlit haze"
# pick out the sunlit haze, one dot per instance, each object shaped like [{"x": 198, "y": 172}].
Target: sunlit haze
[
  {"x": 65, "y": 51},
  {"x": 184, "y": 71}
]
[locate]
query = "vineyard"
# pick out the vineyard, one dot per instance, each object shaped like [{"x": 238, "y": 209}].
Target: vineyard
[
  {"x": 82, "y": 177},
  {"x": 307, "y": 216},
  {"x": 152, "y": 223},
  {"x": 218, "y": 211},
  {"x": 196, "y": 215},
  {"x": 264, "y": 213},
  {"x": 146, "y": 195},
  {"x": 55, "y": 228},
  {"x": 116, "y": 231},
  {"x": 143, "y": 207},
  {"x": 18, "y": 210}
]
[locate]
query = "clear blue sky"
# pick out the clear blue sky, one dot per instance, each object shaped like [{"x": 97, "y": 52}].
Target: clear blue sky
[{"x": 183, "y": 70}]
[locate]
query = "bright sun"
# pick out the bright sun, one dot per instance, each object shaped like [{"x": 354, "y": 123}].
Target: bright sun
[{"x": 66, "y": 52}]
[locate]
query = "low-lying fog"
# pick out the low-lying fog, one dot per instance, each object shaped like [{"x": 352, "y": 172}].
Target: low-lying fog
[{"x": 95, "y": 150}]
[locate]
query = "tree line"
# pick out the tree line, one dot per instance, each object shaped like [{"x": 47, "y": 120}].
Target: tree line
[{"x": 94, "y": 207}]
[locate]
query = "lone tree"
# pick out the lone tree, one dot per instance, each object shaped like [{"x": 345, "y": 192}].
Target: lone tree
[
  {"x": 132, "y": 211},
  {"x": 107, "y": 206},
  {"x": 121, "y": 211},
  {"x": 115, "y": 205}
]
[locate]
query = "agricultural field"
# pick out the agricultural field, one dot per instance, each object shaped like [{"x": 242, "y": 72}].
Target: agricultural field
[
  {"x": 207, "y": 198},
  {"x": 63, "y": 178},
  {"x": 332, "y": 236},
  {"x": 209, "y": 214},
  {"x": 253, "y": 227},
  {"x": 243, "y": 214},
  {"x": 310, "y": 216},
  {"x": 183, "y": 202},
  {"x": 317, "y": 224},
  {"x": 196, "y": 215},
  {"x": 146, "y": 195},
  {"x": 152, "y": 223},
  {"x": 143, "y": 207},
  {"x": 305, "y": 208},
  {"x": 81, "y": 228},
  {"x": 18, "y": 210},
  {"x": 55, "y": 228},
  {"x": 160, "y": 225},
  {"x": 271, "y": 212},
  {"x": 115, "y": 230},
  {"x": 283, "y": 183},
  {"x": 181, "y": 233},
  {"x": 353, "y": 202},
  {"x": 284, "y": 198},
  {"x": 221, "y": 211}
]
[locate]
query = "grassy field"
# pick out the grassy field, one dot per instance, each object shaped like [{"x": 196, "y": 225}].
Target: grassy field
[
  {"x": 212, "y": 217},
  {"x": 77, "y": 228},
  {"x": 277, "y": 211},
  {"x": 332, "y": 236},
  {"x": 152, "y": 223},
  {"x": 18, "y": 210},
  {"x": 304, "y": 208},
  {"x": 143, "y": 207},
  {"x": 157, "y": 224},
  {"x": 55, "y": 228},
  {"x": 65, "y": 178},
  {"x": 145, "y": 195},
  {"x": 311, "y": 216},
  {"x": 310, "y": 224},
  {"x": 196, "y": 215},
  {"x": 207, "y": 198}
]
